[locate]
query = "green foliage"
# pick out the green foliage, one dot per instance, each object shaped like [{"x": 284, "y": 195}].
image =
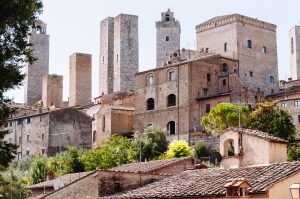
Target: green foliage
[
  {"x": 225, "y": 115},
  {"x": 16, "y": 19},
  {"x": 293, "y": 152},
  {"x": 178, "y": 148},
  {"x": 201, "y": 150},
  {"x": 38, "y": 170},
  {"x": 153, "y": 142},
  {"x": 269, "y": 118}
]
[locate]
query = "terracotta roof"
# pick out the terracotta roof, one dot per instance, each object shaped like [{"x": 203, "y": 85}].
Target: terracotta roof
[
  {"x": 257, "y": 133},
  {"x": 147, "y": 167},
  {"x": 210, "y": 182},
  {"x": 66, "y": 179}
]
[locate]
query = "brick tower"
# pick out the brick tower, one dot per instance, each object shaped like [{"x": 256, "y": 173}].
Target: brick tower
[
  {"x": 167, "y": 37},
  {"x": 80, "y": 83},
  {"x": 36, "y": 71},
  {"x": 294, "y": 35},
  {"x": 52, "y": 90}
]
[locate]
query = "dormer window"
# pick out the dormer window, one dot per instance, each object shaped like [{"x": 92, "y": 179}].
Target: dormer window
[{"x": 238, "y": 187}]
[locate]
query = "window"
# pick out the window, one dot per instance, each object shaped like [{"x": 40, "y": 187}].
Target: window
[
  {"x": 224, "y": 67},
  {"x": 43, "y": 151},
  {"x": 94, "y": 136},
  {"x": 28, "y": 120},
  {"x": 292, "y": 45},
  {"x": 225, "y": 47},
  {"x": 117, "y": 58},
  {"x": 264, "y": 50},
  {"x": 103, "y": 123},
  {"x": 171, "y": 128},
  {"x": 150, "y": 104},
  {"x": 208, "y": 77},
  {"x": 298, "y": 118},
  {"x": 235, "y": 71},
  {"x": 206, "y": 50},
  {"x": 172, "y": 76},
  {"x": 6, "y": 125},
  {"x": 28, "y": 137},
  {"x": 283, "y": 105},
  {"x": 271, "y": 79},
  {"x": 171, "y": 100},
  {"x": 19, "y": 122},
  {"x": 224, "y": 82},
  {"x": 43, "y": 136},
  {"x": 103, "y": 59},
  {"x": 251, "y": 74},
  {"x": 10, "y": 124},
  {"x": 27, "y": 152},
  {"x": 296, "y": 103},
  {"x": 272, "y": 91},
  {"x": 249, "y": 43},
  {"x": 205, "y": 92},
  {"x": 150, "y": 80},
  {"x": 150, "y": 125},
  {"x": 207, "y": 108},
  {"x": 167, "y": 38},
  {"x": 229, "y": 147},
  {"x": 20, "y": 140},
  {"x": 167, "y": 17}
]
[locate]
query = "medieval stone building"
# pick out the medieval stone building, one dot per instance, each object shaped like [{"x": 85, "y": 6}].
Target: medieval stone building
[
  {"x": 35, "y": 72},
  {"x": 294, "y": 38},
  {"x": 53, "y": 91},
  {"x": 251, "y": 41}
]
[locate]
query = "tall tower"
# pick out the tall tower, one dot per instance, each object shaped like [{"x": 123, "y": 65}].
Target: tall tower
[
  {"x": 36, "y": 71},
  {"x": 294, "y": 35},
  {"x": 167, "y": 37},
  {"x": 52, "y": 90},
  {"x": 106, "y": 59},
  {"x": 80, "y": 88},
  {"x": 126, "y": 46}
]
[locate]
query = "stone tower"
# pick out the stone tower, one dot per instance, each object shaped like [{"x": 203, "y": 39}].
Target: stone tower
[
  {"x": 294, "y": 35},
  {"x": 52, "y": 90},
  {"x": 126, "y": 54},
  {"x": 167, "y": 37},
  {"x": 80, "y": 84},
  {"x": 251, "y": 41},
  {"x": 106, "y": 70},
  {"x": 36, "y": 71}
]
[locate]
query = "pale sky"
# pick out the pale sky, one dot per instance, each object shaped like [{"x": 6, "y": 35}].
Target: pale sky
[{"x": 74, "y": 26}]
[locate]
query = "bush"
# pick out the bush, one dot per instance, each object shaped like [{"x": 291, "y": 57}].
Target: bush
[
  {"x": 178, "y": 149},
  {"x": 202, "y": 150},
  {"x": 293, "y": 152}
]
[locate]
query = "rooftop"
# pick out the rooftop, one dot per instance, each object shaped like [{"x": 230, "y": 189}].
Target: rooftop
[{"x": 211, "y": 182}]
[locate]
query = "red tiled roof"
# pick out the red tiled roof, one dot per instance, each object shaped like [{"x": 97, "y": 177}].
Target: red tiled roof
[{"x": 210, "y": 182}]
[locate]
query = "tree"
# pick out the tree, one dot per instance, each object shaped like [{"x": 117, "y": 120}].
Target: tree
[
  {"x": 269, "y": 118},
  {"x": 16, "y": 19},
  {"x": 293, "y": 152},
  {"x": 225, "y": 115},
  {"x": 153, "y": 143},
  {"x": 178, "y": 148},
  {"x": 202, "y": 150},
  {"x": 38, "y": 170}
]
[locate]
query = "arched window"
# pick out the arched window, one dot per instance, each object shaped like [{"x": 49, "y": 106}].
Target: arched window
[
  {"x": 171, "y": 100},
  {"x": 150, "y": 104},
  {"x": 249, "y": 43},
  {"x": 150, "y": 80},
  {"x": 94, "y": 136},
  {"x": 38, "y": 30},
  {"x": 171, "y": 128},
  {"x": 206, "y": 50},
  {"x": 103, "y": 123},
  {"x": 272, "y": 79},
  {"x": 292, "y": 45},
  {"x": 225, "y": 47},
  {"x": 224, "y": 67},
  {"x": 229, "y": 147},
  {"x": 167, "y": 17}
]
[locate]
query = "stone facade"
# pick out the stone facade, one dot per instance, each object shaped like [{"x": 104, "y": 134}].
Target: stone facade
[
  {"x": 294, "y": 39},
  {"x": 48, "y": 132},
  {"x": 52, "y": 91},
  {"x": 106, "y": 59},
  {"x": 251, "y": 41},
  {"x": 196, "y": 85},
  {"x": 34, "y": 72},
  {"x": 80, "y": 83},
  {"x": 126, "y": 56},
  {"x": 167, "y": 37}
]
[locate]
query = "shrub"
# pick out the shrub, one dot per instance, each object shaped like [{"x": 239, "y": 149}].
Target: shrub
[
  {"x": 178, "y": 149},
  {"x": 202, "y": 150}
]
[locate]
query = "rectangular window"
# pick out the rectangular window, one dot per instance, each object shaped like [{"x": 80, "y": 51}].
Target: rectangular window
[
  {"x": 172, "y": 76},
  {"x": 205, "y": 92},
  {"x": 296, "y": 103},
  {"x": 208, "y": 77},
  {"x": 28, "y": 120},
  {"x": 10, "y": 124},
  {"x": 225, "y": 47},
  {"x": 43, "y": 136},
  {"x": 224, "y": 82},
  {"x": 27, "y": 152},
  {"x": 150, "y": 80},
  {"x": 20, "y": 140},
  {"x": 43, "y": 151},
  {"x": 167, "y": 38},
  {"x": 207, "y": 108},
  {"x": 264, "y": 50},
  {"x": 19, "y": 122},
  {"x": 283, "y": 105},
  {"x": 298, "y": 118},
  {"x": 28, "y": 138},
  {"x": 6, "y": 125},
  {"x": 251, "y": 74}
]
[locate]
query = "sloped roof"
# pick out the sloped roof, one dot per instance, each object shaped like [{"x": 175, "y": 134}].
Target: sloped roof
[
  {"x": 210, "y": 182},
  {"x": 257, "y": 133},
  {"x": 147, "y": 167}
]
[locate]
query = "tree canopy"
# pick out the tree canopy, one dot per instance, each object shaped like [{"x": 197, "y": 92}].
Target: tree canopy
[
  {"x": 178, "y": 148},
  {"x": 16, "y": 19}
]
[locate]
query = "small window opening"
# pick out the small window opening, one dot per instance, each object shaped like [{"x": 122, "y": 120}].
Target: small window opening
[
  {"x": 28, "y": 137},
  {"x": 298, "y": 118},
  {"x": 207, "y": 108},
  {"x": 229, "y": 147},
  {"x": 205, "y": 92},
  {"x": 167, "y": 38},
  {"x": 167, "y": 17},
  {"x": 272, "y": 79},
  {"x": 224, "y": 67},
  {"x": 38, "y": 30},
  {"x": 28, "y": 120},
  {"x": 264, "y": 50},
  {"x": 150, "y": 104},
  {"x": 224, "y": 82},
  {"x": 292, "y": 45},
  {"x": 103, "y": 123},
  {"x": 249, "y": 43},
  {"x": 171, "y": 100},
  {"x": 171, "y": 128},
  {"x": 94, "y": 136},
  {"x": 117, "y": 58},
  {"x": 172, "y": 76},
  {"x": 225, "y": 47},
  {"x": 251, "y": 74},
  {"x": 208, "y": 77}
]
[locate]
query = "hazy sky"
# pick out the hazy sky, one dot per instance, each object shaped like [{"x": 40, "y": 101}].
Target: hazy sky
[{"x": 74, "y": 26}]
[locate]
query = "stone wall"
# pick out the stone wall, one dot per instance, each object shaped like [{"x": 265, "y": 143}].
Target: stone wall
[
  {"x": 52, "y": 90},
  {"x": 294, "y": 44},
  {"x": 34, "y": 72},
  {"x": 80, "y": 82}
]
